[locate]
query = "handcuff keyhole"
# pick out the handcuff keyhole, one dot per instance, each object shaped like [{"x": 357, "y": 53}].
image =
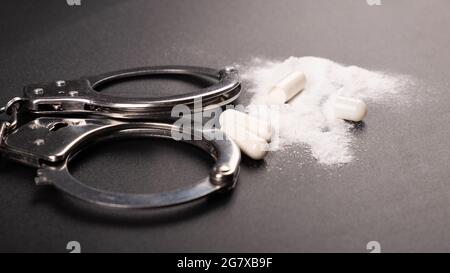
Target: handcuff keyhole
[{"x": 57, "y": 125}]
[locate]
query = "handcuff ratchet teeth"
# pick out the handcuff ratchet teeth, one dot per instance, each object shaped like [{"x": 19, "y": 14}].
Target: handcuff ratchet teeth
[{"x": 55, "y": 121}]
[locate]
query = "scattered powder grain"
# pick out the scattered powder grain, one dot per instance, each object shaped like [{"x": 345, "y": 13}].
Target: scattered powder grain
[{"x": 308, "y": 117}]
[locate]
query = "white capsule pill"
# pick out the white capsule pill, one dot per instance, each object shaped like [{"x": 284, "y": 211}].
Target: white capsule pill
[
  {"x": 252, "y": 124},
  {"x": 290, "y": 86},
  {"x": 250, "y": 144},
  {"x": 349, "y": 108}
]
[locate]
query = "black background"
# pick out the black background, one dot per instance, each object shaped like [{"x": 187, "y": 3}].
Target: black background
[{"x": 397, "y": 192}]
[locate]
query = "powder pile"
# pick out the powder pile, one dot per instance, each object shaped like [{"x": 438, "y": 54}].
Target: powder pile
[{"x": 308, "y": 118}]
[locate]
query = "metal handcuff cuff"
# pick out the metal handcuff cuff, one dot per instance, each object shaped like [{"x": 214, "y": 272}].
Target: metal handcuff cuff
[{"x": 54, "y": 121}]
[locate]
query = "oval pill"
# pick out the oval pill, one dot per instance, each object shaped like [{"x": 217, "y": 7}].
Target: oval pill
[
  {"x": 349, "y": 108},
  {"x": 250, "y": 144},
  {"x": 286, "y": 89},
  {"x": 252, "y": 124}
]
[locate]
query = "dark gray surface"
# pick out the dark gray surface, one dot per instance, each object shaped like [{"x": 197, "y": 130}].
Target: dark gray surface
[{"x": 397, "y": 193}]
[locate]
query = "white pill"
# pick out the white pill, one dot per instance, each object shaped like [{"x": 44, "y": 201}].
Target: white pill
[
  {"x": 250, "y": 144},
  {"x": 349, "y": 108},
  {"x": 288, "y": 88},
  {"x": 252, "y": 124}
]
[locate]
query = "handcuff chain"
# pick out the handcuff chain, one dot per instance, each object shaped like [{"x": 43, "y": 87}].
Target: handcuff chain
[{"x": 10, "y": 109}]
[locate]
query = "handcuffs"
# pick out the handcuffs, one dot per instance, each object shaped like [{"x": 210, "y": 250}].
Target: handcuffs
[{"x": 54, "y": 121}]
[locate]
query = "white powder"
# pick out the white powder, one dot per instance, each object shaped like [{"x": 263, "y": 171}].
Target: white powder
[{"x": 308, "y": 118}]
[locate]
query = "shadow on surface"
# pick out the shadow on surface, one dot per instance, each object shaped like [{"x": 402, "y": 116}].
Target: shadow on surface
[{"x": 64, "y": 204}]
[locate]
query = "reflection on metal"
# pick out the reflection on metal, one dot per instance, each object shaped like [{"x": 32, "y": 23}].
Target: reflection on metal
[{"x": 53, "y": 122}]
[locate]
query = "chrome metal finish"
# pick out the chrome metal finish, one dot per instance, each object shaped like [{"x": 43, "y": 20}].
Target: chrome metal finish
[
  {"x": 62, "y": 100},
  {"x": 69, "y": 116}
]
